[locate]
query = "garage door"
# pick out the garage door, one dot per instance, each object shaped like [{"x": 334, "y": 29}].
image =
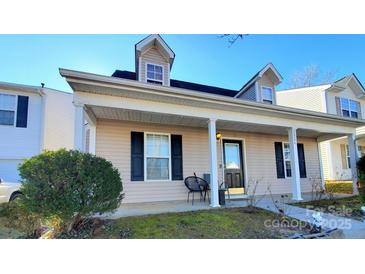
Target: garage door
[{"x": 9, "y": 170}]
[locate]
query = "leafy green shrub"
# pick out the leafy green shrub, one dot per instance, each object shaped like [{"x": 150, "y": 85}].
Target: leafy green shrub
[
  {"x": 361, "y": 183},
  {"x": 17, "y": 217},
  {"x": 361, "y": 165},
  {"x": 69, "y": 186}
]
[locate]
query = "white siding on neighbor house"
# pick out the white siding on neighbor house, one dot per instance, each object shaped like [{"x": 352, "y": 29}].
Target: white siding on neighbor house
[
  {"x": 50, "y": 125},
  {"x": 249, "y": 94},
  {"x": 153, "y": 56},
  {"x": 20, "y": 143},
  {"x": 311, "y": 98},
  {"x": 9, "y": 169},
  {"x": 58, "y": 120},
  {"x": 113, "y": 143}
]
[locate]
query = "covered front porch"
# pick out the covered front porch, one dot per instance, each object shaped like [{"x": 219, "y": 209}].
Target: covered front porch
[
  {"x": 276, "y": 146},
  {"x": 239, "y": 154}
]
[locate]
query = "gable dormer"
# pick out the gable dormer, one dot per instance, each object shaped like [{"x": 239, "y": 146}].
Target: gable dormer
[
  {"x": 154, "y": 59},
  {"x": 261, "y": 87},
  {"x": 346, "y": 97}
]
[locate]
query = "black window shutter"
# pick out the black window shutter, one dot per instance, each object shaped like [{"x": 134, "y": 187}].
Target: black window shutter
[
  {"x": 279, "y": 160},
  {"x": 176, "y": 157},
  {"x": 137, "y": 159},
  {"x": 22, "y": 111},
  {"x": 301, "y": 159}
]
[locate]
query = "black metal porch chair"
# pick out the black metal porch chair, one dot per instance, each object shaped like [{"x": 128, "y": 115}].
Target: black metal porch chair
[{"x": 196, "y": 184}]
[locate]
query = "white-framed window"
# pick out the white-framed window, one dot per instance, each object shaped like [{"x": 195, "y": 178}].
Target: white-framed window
[
  {"x": 8, "y": 105},
  {"x": 287, "y": 160},
  {"x": 154, "y": 74},
  {"x": 348, "y": 161},
  {"x": 157, "y": 157},
  {"x": 267, "y": 95},
  {"x": 349, "y": 108}
]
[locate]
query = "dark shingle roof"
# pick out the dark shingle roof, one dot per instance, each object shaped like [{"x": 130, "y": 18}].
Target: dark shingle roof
[{"x": 181, "y": 84}]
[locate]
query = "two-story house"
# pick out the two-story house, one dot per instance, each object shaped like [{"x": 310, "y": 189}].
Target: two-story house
[
  {"x": 344, "y": 98},
  {"x": 157, "y": 130},
  {"x": 32, "y": 119}
]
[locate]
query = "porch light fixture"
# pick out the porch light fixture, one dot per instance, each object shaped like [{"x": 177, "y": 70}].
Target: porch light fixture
[{"x": 218, "y": 136}]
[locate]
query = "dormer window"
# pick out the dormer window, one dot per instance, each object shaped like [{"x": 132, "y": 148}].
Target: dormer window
[
  {"x": 154, "y": 74},
  {"x": 267, "y": 95}
]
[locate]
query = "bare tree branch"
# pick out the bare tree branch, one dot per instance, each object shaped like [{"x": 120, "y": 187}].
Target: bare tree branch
[
  {"x": 311, "y": 75},
  {"x": 232, "y": 38}
]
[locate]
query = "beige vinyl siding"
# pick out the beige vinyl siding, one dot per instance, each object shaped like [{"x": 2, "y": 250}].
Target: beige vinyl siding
[
  {"x": 360, "y": 130},
  {"x": 153, "y": 56},
  {"x": 249, "y": 94},
  {"x": 325, "y": 151},
  {"x": 113, "y": 143},
  {"x": 311, "y": 98}
]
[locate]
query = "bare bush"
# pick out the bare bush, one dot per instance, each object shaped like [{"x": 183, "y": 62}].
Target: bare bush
[{"x": 253, "y": 199}]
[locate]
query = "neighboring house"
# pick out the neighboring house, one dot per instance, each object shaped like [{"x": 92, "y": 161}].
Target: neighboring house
[
  {"x": 345, "y": 98},
  {"x": 32, "y": 119},
  {"x": 157, "y": 130}
]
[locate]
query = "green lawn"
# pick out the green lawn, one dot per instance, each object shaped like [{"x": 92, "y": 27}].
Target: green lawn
[
  {"x": 233, "y": 223},
  {"x": 208, "y": 224},
  {"x": 338, "y": 206}
]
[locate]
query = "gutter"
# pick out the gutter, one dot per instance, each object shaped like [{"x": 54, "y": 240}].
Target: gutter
[{"x": 83, "y": 77}]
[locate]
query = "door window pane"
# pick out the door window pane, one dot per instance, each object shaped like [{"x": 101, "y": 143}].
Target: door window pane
[{"x": 232, "y": 156}]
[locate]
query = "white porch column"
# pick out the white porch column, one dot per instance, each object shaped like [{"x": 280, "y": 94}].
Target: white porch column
[
  {"x": 297, "y": 195},
  {"x": 353, "y": 160},
  {"x": 213, "y": 163},
  {"x": 79, "y": 134},
  {"x": 321, "y": 164},
  {"x": 91, "y": 125}
]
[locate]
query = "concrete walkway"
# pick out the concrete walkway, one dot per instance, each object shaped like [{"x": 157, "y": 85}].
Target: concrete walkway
[{"x": 351, "y": 229}]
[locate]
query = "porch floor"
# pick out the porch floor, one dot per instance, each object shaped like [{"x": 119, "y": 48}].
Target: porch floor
[{"x": 140, "y": 209}]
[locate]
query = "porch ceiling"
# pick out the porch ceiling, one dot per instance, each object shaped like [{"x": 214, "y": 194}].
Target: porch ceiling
[
  {"x": 191, "y": 121},
  {"x": 147, "y": 117}
]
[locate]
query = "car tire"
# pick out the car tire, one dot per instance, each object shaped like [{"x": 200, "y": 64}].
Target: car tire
[{"x": 15, "y": 196}]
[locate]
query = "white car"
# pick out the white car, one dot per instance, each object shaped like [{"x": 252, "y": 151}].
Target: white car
[{"x": 9, "y": 191}]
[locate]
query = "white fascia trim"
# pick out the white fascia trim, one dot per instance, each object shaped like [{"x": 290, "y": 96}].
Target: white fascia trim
[
  {"x": 271, "y": 66},
  {"x": 19, "y": 87},
  {"x": 107, "y": 81},
  {"x": 325, "y": 87}
]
